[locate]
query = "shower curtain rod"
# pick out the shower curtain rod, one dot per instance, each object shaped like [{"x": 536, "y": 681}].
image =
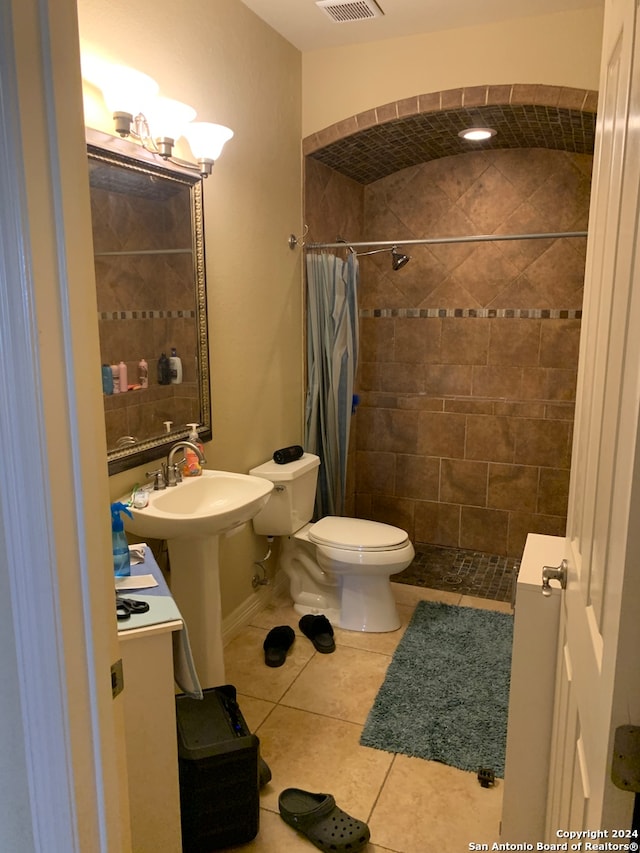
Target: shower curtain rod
[{"x": 478, "y": 238}]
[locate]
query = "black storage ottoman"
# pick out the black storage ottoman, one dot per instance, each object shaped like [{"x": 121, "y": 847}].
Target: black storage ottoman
[{"x": 218, "y": 762}]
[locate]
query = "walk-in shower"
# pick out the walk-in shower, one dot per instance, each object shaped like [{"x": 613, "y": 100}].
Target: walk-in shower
[{"x": 467, "y": 374}]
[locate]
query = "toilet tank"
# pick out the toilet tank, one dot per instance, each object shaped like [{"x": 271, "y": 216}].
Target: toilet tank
[{"x": 290, "y": 504}]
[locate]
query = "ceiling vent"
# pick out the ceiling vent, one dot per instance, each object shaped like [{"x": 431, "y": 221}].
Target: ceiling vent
[{"x": 341, "y": 11}]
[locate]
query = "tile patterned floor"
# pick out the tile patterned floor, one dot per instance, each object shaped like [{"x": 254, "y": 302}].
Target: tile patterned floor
[
  {"x": 466, "y": 572},
  {"x": 309, "y": 714}
]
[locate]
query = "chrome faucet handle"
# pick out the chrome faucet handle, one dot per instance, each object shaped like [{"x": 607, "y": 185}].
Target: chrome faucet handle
[
  {"x": 178, "y": 466},
  {"x": 174, "y": 474},
  {"x": 159, "y": 481}
]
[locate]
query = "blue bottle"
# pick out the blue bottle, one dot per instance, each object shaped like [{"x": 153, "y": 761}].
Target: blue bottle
[
  {"x": 107, "y": 379},
  {"x": 121, "y": 562}
]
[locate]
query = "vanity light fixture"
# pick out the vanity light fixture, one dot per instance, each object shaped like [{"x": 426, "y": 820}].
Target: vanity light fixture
[
  {"x": 477, "y": 134},
  {"x": 155, "y": 122}
]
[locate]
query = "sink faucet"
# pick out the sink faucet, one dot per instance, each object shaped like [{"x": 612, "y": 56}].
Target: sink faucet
[{"x": 173, "y": 475}]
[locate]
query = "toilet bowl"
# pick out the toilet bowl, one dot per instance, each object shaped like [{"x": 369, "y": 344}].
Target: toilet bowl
[{"x": 338, "y": 567}]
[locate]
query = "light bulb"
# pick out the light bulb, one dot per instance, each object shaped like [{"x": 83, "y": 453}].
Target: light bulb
[
  {"x": 477, "y": 134},
  {"x": 206, "y": 139},
  {"x": 167, "y": 118},
  {"x": 126, "y": 90}
]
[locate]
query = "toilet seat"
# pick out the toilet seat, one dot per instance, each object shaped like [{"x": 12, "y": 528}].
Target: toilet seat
[{"x": 357, "y": 534}]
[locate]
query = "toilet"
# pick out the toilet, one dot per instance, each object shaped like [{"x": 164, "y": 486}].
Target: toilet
[{"x": 338, "y": 567}]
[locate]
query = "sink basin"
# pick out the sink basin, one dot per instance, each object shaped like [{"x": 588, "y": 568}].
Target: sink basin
[
  {"x": 208, "y": 505},
  {"x": 191, "y": 517}
]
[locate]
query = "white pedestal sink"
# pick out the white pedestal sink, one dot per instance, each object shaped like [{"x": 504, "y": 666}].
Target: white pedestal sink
[{"x": 191, "y": 516}]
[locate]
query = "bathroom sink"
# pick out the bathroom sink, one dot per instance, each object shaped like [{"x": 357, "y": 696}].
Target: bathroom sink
[
  {"x": 208, "y": 505},
  {"x": 191, "y": 517}
]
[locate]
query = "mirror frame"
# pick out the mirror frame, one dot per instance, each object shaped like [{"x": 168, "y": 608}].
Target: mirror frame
[{"x": 120, "y": 152}]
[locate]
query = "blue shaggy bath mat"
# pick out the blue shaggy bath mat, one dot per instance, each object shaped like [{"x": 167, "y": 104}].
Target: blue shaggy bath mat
[{"x": 446, "y": 692}]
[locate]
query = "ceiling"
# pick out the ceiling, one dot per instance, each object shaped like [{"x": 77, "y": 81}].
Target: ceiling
[{"x": 308, "y": 27}]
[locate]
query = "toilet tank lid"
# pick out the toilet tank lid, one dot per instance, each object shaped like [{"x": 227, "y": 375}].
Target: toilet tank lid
[
  {"x": 357, "y": 534},
  {"x": 289, "y": 471}
]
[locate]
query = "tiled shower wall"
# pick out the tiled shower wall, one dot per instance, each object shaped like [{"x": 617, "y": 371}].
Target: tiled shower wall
[{"x": 468, "y": 353}]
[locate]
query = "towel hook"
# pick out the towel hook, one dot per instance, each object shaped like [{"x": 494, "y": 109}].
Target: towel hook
[{"x": 293, "y": 240}]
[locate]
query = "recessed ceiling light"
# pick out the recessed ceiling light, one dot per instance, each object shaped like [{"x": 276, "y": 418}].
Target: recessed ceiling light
[{"x": 477, "y": 134}]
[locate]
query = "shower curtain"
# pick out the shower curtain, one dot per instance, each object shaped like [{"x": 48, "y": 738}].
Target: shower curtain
[{"x": 332, "y": 356}]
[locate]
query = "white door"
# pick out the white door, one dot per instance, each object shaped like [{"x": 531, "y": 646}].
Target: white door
[{"x": 598, "y": 683}]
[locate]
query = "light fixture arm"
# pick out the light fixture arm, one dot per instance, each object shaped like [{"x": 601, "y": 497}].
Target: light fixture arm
[
  {"x": 204, "y": 167},
  {"x": 138, "y": 128}
]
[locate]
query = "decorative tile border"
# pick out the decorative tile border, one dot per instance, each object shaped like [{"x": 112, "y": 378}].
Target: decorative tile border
[
  {"x": 502, "y": 313},
  {"x": 152, "y": 314}
]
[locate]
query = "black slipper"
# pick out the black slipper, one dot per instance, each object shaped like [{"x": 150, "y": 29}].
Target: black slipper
[
  {"x": 277, "y": 644},
  {"x": 318, "y": 629},
  {"x": 320, "y": 820}
]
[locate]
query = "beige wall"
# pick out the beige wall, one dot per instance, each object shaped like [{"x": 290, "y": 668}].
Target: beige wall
[
  {"x": 232, "y": 69},
  {"x": 560, "y": 50}
]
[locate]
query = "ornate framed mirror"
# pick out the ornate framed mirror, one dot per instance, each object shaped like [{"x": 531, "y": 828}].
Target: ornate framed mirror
[{"x": 148, "y": 240}]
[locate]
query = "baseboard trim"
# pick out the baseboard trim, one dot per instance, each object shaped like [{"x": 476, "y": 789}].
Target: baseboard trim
[{"x": 256, "y": 602}]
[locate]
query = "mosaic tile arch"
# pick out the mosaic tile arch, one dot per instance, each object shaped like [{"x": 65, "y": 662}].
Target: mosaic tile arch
[
  {"x": 468, "y": 354},
  {"x": 383, "y": 140}
]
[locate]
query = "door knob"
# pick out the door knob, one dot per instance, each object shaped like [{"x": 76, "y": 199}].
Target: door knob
[{"x": 554, "y": 573}]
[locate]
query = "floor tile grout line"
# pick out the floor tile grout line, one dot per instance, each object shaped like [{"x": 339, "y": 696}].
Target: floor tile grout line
[
  {"x": 296, "y": 677},
  {"x": 269, "y": 713},
  {"x": 382, "y": 784},
  {"x": 326, "y": 716}
]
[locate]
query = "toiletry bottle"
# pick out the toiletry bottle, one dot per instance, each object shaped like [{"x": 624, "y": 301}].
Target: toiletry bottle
[
  {"x": 164, "y": 371},
  {"x": 115, "y": 375},
  {"x": 192, "y": 466},
  {"x": 121, "y": 562},
  {"x": 124, "y": 379},
  {"x": 175, "y": 366},
  {"x": 107, "y": 379},
  {"x": 143, "y": 373}
]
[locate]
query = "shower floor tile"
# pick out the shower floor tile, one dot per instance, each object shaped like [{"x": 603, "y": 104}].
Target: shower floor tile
[{"x": 462, "y": 571}]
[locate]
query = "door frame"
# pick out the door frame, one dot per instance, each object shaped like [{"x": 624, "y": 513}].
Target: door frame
[{"x": 60, "y": 790}]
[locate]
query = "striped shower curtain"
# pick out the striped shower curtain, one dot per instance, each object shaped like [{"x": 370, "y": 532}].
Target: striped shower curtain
[{"x": 332, "y": 356}]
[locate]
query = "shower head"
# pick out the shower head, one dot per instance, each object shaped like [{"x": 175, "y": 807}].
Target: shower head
[{"x": 398, "y": 260}]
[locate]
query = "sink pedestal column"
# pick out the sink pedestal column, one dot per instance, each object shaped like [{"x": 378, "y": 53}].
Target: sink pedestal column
[{"x": 195, "y": 586}]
